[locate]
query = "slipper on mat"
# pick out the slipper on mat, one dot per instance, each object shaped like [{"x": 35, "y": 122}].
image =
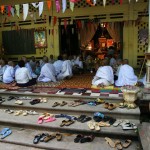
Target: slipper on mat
[
  {"x": 7, "y": 133},
  {"x": 4, "y": 130},
  {"x": 110, "y": 142},
  {"x": 87, "y": 139}
]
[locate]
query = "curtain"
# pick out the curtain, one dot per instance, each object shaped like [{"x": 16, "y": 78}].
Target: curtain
[
  {"x": 114, "y": 30},
  {"x": 87, "y": 33},
  {"x": 18, "y": 42}
]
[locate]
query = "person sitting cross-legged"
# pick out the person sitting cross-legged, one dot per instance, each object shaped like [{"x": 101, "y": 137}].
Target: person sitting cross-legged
[
  {"x": 47, "y": 72},
  {"x": 126, "y": 75},
  {"x": 104, "y": 75},
  {"x": 22, "y": 76}
]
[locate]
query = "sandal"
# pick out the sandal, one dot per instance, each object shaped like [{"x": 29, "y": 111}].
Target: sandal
[
  {"x": 9, "y": 111},
  {"x": 111, "y": 106},
  {"x": 106, "y": 105},
  {"x": 50, "y": 119},
  {"x": 63, "y": 123},
  {"x": 58, "y": 136},
  {"x": 103, "y": 124},
  {"x": 63, "y": 103},
  {"x": 81, "y": 118},
  {"x": 129, "y": 126},
  {"x": 37, "y": 138},
  {"x": 78, "y": 138},
  {"x": 127, "y": 143},
  {"x": 91, "y": 125},
  {"x": 117, "y": 122},
  {"x": 86, "y": 119},
  {"x": 43, "y": 136},
  {"x": 19, "y": 102},
  {"x": 40, "y": 120},
  {"x": 118, "y": 145},
  {"x": 110, "y": 142},
  {"x": 69, "y": 122},
  {"x": 49, "y": 137},
  {"x": 87, "y": 139},
  {"x": 7, "y": 133},
  {"x": 17, "y": 113},
  {"x": 100, "y": 101},
  {"x": 25, "y": 113},
  {"x": 56, "y": 104},
  {"x": 96, "y": 126}
]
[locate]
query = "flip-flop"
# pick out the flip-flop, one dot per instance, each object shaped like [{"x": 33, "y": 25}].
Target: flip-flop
[
  {"x": 118, "y": 145},
  {"x": 58, "y": 136},
  {"x": 43, "y": 136},
  {"x": 9, "y": 111},
  {"x": 99, "y": 114},
  {"x": 127, "y": 143},
  {"x": 117, "y": 122},
  {"x": 25, "y": 113},
  {"x": 110, "y": 142},
  {"x": 63, "y": 123},
  {"x": 96, "y": 126},
  {"x": 19, "y": 102},
  {"x": 106, "y": 105},
  {"x": 97, "y": 118},
  {"x": 103, "y": 124},
  {"x": 60, "y": 116},
  {"x": 129, "y": 126},
  {"x": 91, "y": 125},
  {"x": 4, "y": 130},
  {"x": 31, "y": 112},
  {"x": 49, "y": 137},
  {"x": 81, "y": 118},
  {"x": 50, "y": 119},
  {"x": 7, "y": 133},
  {"x": 78, "y": 138},
  {"x": 17, "y": 113},
  {"x": 56, "y": 104},
  {"x": 111, "y": 106},
  {"x": 86, "y": 119},
  {"x": 92, "y": 103},
  {"x": 87, "y": 139},
  {"x": 63, "y": 103},
  {"x": 37, "y": 138},
  {"x": 40, "y": 120},
  {"x": 69, "y": 122}
]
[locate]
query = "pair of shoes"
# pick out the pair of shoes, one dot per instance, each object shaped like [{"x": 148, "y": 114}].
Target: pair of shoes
[
  {"x": 46, "y": 117},
  {"x": 109, "y": 119},
  {"x": 2, "y": 100},
  {"x": 9, "y": 111},
  {"x": 67, "y": 123},
  {"x": 84, "y": 118},
  {"x": 66, "y": 116},
  {"x": 93, "y": 126},
  {"x": 43, "y": 100},
  {"x": 129, "y": 126},
  {"x": 59, "y": 104},
  {"x": 35, "y": 101},
  {"x": 117, "y": 144},
  {"x": 83, "y": 139},
  {"x": 109, "y": 106},
  {"x": 12, "y": 97},
  {"x": 5, "y": 132}
]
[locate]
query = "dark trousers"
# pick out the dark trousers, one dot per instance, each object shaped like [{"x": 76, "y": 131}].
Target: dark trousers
[{"x": 30, "y": 83}]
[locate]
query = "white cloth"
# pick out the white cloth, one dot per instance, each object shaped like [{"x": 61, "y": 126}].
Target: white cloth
[
  {"x": 9, "y": 75},
  {"x": 22, "y": 75},
  {"x": 58, "y": 66},
  {"x": 2, "y": 70},
  {"x": 25, "y": 11},
  {"x": 66, "y": 70},
  {"x": 118, "y": 69},
  {"x": 41, "y": 4},
  {"x": 32, "y": 74},
  {"x": 47, "y": 73},
  {"x": 126, "y": 76},
  {"x": 104, "y": 75},
  {"x": 42, "y": 63},
  {"x": 112, "y": 62},
  {"x": 32, "y": 64}
]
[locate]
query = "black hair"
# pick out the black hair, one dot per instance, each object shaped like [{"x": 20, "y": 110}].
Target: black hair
[
  {"x": 59, "y": 57},
  {"x": 21, "y": 63}
]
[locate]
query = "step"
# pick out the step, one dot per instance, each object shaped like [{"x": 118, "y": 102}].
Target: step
[
  {"x": 87, "y": 94},
  {"x": 5, "y": 145},
  {"x": 25, "y": 137},
  {"x": 86, "y": 109},
  {"x": 30, "y": 121}
]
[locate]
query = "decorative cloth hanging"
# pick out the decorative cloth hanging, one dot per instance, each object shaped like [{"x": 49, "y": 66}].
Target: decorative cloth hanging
[
  {"x": 35, "y": 5},
  {"x": 2, "y": 9},
  {"x": 57, "y": 5},
  {"x": 17, "y": 7},
  {"x": 25, "y": 11},
  {"x": 71, "y": 6},
  {"x": 49, "y": 4},
  {"x": 104, "y": 3},
  {"x": 9, "y": 8},
  {"x": 121, "y": 2},
  {"x": 94, "y": 2},
  {"x": 64, "y": 5},
  {"x": 89, "y": 2},
  {"x": 12, "y": 11},
  {"x": 41, "y": 5},
  {"x": 55, "y": 20}
]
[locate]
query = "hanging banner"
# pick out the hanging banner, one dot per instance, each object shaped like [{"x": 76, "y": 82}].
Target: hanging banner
[
  {"x": 2, "y": 9},
  {"x": 64, "y": 5},
  {"x": 9, "y": 12},
  {"x": 41, "y": 5},
  {"x": 25, "y": 11},
  {"x": 94, "y": 2},
  {"x": 49, "y": 3},
  {"x": 57, "y": 5},
  {"x": 89, "y": 2},
  {"x": 71, "y": 6},
  {"x": 35, "y": 5},
  {"x": 12, "y": 11},
  {"x": 104, "y": 3},
  {"x": 17, "y": 7}
]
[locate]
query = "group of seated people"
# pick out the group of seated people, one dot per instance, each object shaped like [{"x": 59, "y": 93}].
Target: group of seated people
[
  {"x": 107, "y": 74},
  {"x": 27, "y": 73}
]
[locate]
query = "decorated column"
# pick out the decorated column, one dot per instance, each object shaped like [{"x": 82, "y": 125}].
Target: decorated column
[{"x": 148, "y": 54}]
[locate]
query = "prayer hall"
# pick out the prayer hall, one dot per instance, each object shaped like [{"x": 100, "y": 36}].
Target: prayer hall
[{"x": 74, "y": 74}]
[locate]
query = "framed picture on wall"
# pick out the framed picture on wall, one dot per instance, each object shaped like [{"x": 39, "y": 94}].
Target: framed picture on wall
[{"x": 40, "y": 39}]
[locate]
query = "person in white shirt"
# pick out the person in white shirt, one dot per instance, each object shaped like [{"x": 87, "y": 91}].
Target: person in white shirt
[
  {"x": 104, "y": 75},
  {"x": 112, "y": 62},
  {"x": 27, "y": 65},
  {"x": 66, "y": 71},
  {"x": 117, "y": 68},
  {"x": 22, "y": 76},
  {"x": 58, "y": 65},
  {"x": 48, "y": 72},
  {"x": 33, "y": 63},
  {"x": 9, "y": 74},
  {"x": 3, "y": 67},
  {"x": 51, "y": 59},
  {"x": 126, "y": 75}
]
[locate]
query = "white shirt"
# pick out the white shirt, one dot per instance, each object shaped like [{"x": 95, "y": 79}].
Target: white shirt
[
  {"x": 8, "y": 75},
  {"x": 22, "y": 75}
]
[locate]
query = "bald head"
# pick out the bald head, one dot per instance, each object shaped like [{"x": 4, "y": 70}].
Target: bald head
[
  {"x": 24, "y": 58},
  {"x": 125, "y": 61},
  {"x": 105, "y": 62},
  {"x": 45, "y": 59},
  {"x": 11, "y": 63}
]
